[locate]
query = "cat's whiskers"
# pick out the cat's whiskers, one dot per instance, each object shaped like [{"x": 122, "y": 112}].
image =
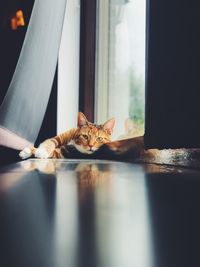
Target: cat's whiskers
[{"x": 92, "y": 149}]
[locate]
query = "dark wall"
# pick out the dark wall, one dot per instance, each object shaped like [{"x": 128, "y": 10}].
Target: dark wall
[
  {"x": 173, "y": 74},
  {"x": 11, "y": 40}
]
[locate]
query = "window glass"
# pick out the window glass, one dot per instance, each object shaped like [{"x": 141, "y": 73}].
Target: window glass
[{"x": 121, "y": 54}]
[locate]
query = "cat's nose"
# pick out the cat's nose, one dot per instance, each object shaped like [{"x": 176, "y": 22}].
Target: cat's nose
[{"x": 90, "y": 145}]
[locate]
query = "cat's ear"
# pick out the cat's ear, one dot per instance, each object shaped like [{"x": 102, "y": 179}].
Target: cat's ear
[
  {"x": 82, "y": 120},
  {"x": 109, "y": 125}
]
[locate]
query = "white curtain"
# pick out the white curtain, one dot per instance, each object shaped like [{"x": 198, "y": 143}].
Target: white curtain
[{"x": 24, "y": 106}]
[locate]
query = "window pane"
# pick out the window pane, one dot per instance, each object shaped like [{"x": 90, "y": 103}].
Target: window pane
[{"x": 126, "y": 64}]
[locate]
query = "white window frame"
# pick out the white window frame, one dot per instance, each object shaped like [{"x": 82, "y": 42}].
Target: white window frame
[
  {"x": 68, "y": 68},
  {"x": 102, "y": 61}
]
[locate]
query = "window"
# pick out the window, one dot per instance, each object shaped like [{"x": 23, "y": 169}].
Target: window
[{"x": 120, "y": 67}]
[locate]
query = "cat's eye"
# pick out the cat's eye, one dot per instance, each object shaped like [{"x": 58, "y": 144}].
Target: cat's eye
[
  {"x": 85, "y": 136},
  {"x": 99, "y": 139}
]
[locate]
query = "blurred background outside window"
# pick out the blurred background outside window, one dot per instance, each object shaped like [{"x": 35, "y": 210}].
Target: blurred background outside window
[{"x": 120, "y": 69}]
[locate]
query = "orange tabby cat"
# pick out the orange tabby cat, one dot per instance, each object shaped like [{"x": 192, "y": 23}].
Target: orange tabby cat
[{"x": 86, "y": 138}]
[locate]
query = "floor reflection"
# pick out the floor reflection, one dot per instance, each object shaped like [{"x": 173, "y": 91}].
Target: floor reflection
[
  {"x": 26, "y": 221},
  {"x": 174, "y": 205},
  {"x": 123, "y": 227},
  {"x": 76, "y": 213},
  {"x": 10, "y": 177}
]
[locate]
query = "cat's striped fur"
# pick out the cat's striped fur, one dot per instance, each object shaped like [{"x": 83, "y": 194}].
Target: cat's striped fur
[{"x": 86, "y": 138}]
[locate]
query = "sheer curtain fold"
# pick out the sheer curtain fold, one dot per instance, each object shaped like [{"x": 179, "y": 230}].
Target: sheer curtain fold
[{"x": 24, "y": 106}]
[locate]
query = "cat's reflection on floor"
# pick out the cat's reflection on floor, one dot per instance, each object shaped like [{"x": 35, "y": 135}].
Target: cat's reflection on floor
[
  {"x": 88, "y": 174},
  {"x": 44, "y": 166},
  {"x": 92, "y": 177}
]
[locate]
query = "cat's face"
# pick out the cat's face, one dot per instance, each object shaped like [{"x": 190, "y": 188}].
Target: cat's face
[{"x": 90, "y": 137}]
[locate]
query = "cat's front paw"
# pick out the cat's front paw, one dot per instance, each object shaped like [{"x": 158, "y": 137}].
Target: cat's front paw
[
  {"x": 25, "y": 153},
  {"x": 42, "y": 153}
]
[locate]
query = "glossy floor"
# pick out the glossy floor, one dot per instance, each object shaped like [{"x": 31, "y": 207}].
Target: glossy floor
[{"x": 56, "y": 213}]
